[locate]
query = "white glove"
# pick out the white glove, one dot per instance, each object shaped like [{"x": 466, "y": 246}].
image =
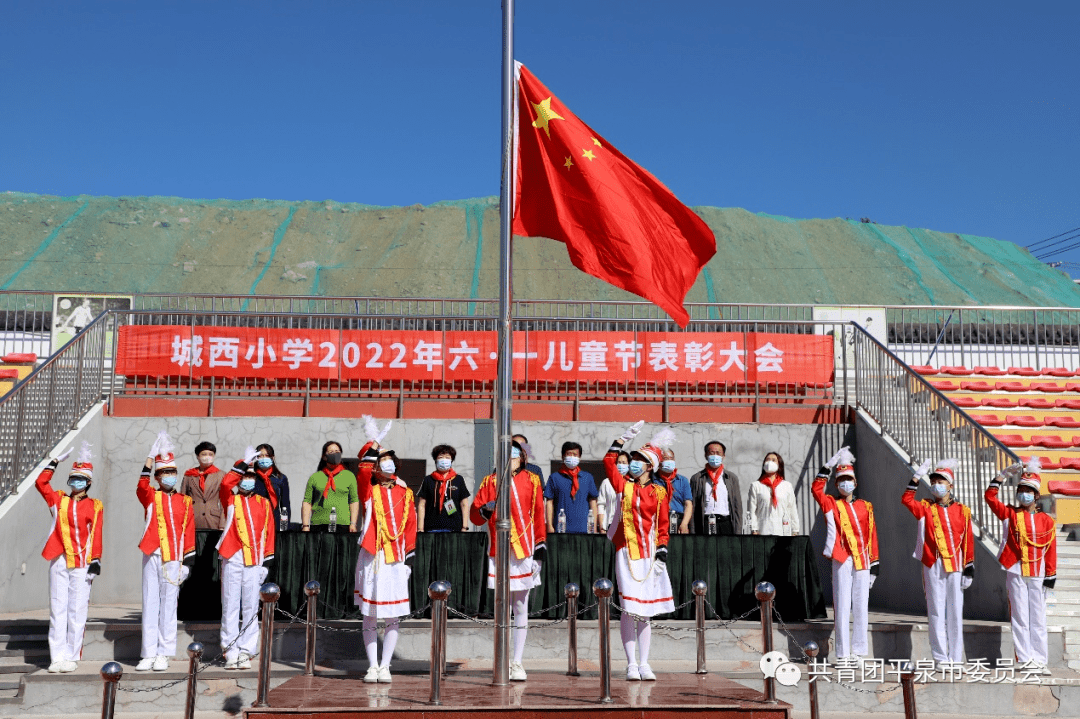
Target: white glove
[
  {"x": 65, "y": 455},
  {"x": 263, "y": 573},
  {"x": 154, "y": 449},
  {"x": 385, "y": 431},
  {"x": 185, "y": 572},
  {"x": 923, "y": 468},
  {"x": 249, "y": 455},
  {"x": 965, "y": 582},
  {"x": 632, "y": 431},
  {"x": 536, "y": 569},
  {"x": 835, "y": 459},
  {"x": 1014, "y": 471},
  {"x": 873, "y": 578}
]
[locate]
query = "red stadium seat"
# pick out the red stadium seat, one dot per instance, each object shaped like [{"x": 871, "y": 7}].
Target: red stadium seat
[
  {"x": 1036, "y": 403},
  {"x": 988, "y": 420},
  {"x": 1058, "y": 372},
  {"x": 1063, "y": 422},
  {"x": 945, "y": 385},
  {"x": 1050, "y": 441},
  {"x": 1023, "y": 420},
  {"x": 1013, "y": 440},
  {"x": 1072, "y": 386},
  {"x": 1023, "y": 371},
  {"x": 999, "y": 402},
  {"x": 20, "y": 358},
  {"x": 977, "y": 386},
  {"x": 989, "y": 371},
  {"x": 1012, "y": 386},
  {"x": 923, "y": 369},
  {"x": 1064, "y": 487},
  {"x": 1046, "y": 387},
  {"x": 966, "y": 402},
  {"x": 9, "y": 373},
  {"x": 960, "y": 371},
  {"x": 1070, "y": 462},
  {"x": 1068, "y": 403}
]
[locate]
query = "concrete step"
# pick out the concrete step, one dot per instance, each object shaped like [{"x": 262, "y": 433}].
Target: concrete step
[{"x": 28, "y": 651}]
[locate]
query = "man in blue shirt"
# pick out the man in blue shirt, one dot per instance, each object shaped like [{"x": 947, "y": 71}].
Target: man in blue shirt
[
  {"x": 571, "y": 490},
  {"x": 526, "y": 449},
  {"x": 680, "y": 496}
]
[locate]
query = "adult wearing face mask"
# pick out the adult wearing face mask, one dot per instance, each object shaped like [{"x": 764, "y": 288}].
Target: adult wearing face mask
[
  {"x": 572, "y": 491},
  {"x": 1029, "y": 558},
  {"x": 607, "y": 503},
  {"x": 528, "y": 543},
  {"x": 332, "y": 486},
  {"x": 945, "y": 545},
  {"x": 771, "y": 501},
  {"x": 443, "y": 500},
  {"x": 271, "y": 482},
  {"x": 73, "y": 551},
  {"x": 387, "y": 550},
  {"x": 640, "y": 536},
  {"x": 203, "y": 484},
  {"x": 246, "y": 548},
  {"x": 168, "y": 547},
  {"x": 852, "y": 546},
  {"x": 680, "y": 496},
  {"x": 715, "y": 492}
]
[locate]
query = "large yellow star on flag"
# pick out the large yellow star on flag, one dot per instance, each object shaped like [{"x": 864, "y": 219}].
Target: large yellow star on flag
[
  {"x": 588, "y": 153},
  {"x": 544, "y": 114}
]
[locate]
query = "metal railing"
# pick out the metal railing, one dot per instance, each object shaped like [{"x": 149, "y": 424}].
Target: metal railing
[
  {"x": 927, "y": 425},
  {"x": 49, "y": 402}
]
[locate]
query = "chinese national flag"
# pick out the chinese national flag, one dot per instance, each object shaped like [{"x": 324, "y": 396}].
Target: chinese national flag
[{"x": 619, "y": 223}]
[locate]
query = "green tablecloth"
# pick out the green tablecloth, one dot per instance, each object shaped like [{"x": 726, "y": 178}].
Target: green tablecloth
[{"x": 732, "y": 566}]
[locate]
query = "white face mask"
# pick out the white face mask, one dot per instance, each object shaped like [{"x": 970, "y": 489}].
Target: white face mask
[
  {"x": 939, "y": 490},
  {"x": 770, "y": 467},
  {"x": 846, "y": 487},
  {"x": 387, "y": 466},
  {"x": 571, "y": 462},
  {"x": 443, "y": 463},
  {"x": 715, "y": 460},
  {"x": 622, "y": 468}
]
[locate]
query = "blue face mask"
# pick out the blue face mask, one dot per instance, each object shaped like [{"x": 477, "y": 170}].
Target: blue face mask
[
  {"x": 637, "y": 467},
  {"x": 264, "y": 462},
  {"x": 77, "y": 485},
  {"x": 1025, "y": 498},
  {"x": 668, "y": 465},
  {"x": 846, "y": 486},
  {"x": 571, "y": 462},
  {"x": 939, "y": 490},
  {"x": 443, "y": 463},
  {"x": 515, "y": 453},
  {"x": 715, "y": 461},
  {"x": 622, "y": 468},
  {"x": 247, "y": 484},
  {"x": 168, "y": 481}
]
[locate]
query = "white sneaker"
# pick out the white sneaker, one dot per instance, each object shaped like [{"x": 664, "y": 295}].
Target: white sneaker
[
  {"x": 646, "y": 673},
  {"x": 244, "y": 662},
  {"x": 68, "y": 666},
  {"x": 384, "y": 675},
  {"x": 372, "y": 676},
  {"x": 517, "y": 672},
  {"x": 230, "y": 663},
  {"x": 160, "y": 664},
  {"x": 632, "y": 674},
  {"x": 145, "y": 665},
  {"x": 54, "y": 668}
]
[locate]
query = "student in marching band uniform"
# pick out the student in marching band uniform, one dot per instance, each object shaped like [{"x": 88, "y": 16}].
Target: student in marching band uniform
[
  {"x": 852, "y": 545},
  {"x": 73, "y": 550},
  {"x": 944, "y": 543},
  {"x": 1029, "y": 557},
  {"x": 387, "y": 550},
  {"x": 247, "y": 552},
  {"x": 640, "y": 534},
  {"x": 528, "y": 537},
  {"x": 168, "y": 547}
]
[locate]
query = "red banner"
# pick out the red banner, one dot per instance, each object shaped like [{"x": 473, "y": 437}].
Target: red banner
[{"x": 461, "y": 356}]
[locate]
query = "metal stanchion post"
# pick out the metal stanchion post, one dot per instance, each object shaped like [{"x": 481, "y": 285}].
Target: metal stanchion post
[
  {"x": 811, "y": 650},
  {"x": 311, "y": 589},
  {"x": 110, "y": 674},
  {"x": 700, "y": 588},
  {"x": 907, "y": 681},
  {"x": 194, "y": 652},
  {"x": 571, "y": 591},
  {"x": 765, "y": 593},
  {"x": 437, "y": 593},
  {"x": 444, "y": 623},
  {"x": 269, "y": 593},
  {"x": 603, "y": 588}
]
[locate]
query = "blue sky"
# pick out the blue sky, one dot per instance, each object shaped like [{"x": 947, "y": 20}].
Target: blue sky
[{"x": 959, "y": 117}]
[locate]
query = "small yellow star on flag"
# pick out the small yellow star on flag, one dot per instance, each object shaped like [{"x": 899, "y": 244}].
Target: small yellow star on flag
[
  {"x": 588, "y": 154},
  {"x": 568, "y": 163},
  {"x": 596, "y": 142},
  {"x": 544, "y": 114}
]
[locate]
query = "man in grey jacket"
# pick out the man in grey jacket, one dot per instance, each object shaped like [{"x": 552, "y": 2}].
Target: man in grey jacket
[{"x": 716, "y": 495}]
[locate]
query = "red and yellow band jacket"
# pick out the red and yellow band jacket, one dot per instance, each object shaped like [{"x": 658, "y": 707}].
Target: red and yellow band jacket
[
  {"x": 528, "y": 527},
  {"x": 389, "y": 512},
  {"x": 76, "y": 525},
  {"x": 170, "y": 522},
  {"x": 643, "y": 526},
  {"x": 249, "y": 523},
  {"x": 1031, "y": 538},
  {"x": 850, "y": 530},
  {"x": 944, "y": 531}
]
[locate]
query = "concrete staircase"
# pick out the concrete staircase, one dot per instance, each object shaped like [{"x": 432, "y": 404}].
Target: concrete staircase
[
  {"x": 1063, "y": 604},
  {"x": 24, "y": 649}
]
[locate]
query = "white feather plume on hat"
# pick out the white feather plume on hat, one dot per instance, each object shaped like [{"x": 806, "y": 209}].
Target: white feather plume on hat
[
  {"x": 371, "y": 430},
  {"x": 85, "y": 455},
  {"x": 164, "y": 444},
  {"x": 845, "y": 457},
  {"x": 1033, "y": 466},
  {"x": 663, "y": 439},
  {"x": 950, "y": 464}
]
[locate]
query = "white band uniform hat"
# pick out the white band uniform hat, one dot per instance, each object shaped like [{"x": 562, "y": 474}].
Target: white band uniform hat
[
  {"x": 846, "y": 463},
  {"x": 82, "y": 466},
  {"x": 946, "y": 469},
  {"x": 1031, "y": 478}
]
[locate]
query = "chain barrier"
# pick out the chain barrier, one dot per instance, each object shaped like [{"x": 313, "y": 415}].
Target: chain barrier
[{"x": 346, "y": 630}]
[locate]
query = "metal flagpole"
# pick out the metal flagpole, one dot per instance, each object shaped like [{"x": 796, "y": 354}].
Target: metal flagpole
[{"x": 504, "y": 379}]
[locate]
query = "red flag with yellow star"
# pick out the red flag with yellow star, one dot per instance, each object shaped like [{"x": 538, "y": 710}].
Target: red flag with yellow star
[{"x": 618, "y": 222}]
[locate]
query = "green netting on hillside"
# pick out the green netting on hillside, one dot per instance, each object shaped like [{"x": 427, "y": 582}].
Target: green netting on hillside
[{"x": 450, "y": 249}]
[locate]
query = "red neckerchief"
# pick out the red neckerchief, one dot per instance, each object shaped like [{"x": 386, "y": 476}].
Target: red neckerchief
[
  {"x": 444, "y": 480},
  {"x": 572, "y": 474},
  {"x": 669, "y": 480},
  {"x": 772, "y": 486},
  {"x": 201, "y": 474},
  {"x": 714, "y": 477},
  {"x": 265, "y": 474},
  {"x": 330, "y": 474}
]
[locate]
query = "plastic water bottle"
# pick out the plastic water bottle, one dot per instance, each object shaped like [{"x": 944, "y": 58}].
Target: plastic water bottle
[
  {"x": 283, "y": 522},
  {"x": 561, "y": 526},
  {"x": 333, "y": 520},
  {"x": 673, "y": 522},
  {"x": 592, "y": 522}
]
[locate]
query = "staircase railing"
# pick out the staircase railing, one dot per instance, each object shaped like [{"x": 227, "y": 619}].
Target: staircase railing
[
  {"x": 928, "y": 425},
  {"x": 49, "y": 402}
]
